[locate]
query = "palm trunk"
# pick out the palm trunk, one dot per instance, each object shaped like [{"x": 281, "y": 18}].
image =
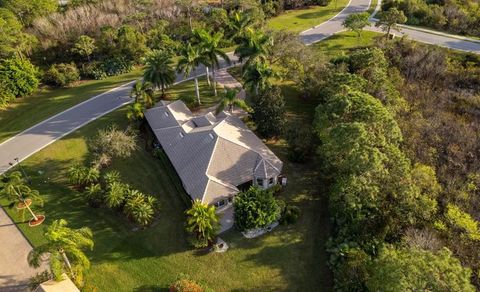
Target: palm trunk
[
  {"x": 65, "y": 259},
  {"x": 197, "y": 91},
  {"x": 31, "y": 212},
  {"x": 214, "y": 82},
  {"x": 208, "y": 75}
]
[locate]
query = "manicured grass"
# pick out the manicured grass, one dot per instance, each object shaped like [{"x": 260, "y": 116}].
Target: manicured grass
[
  {"x": 344, "y": 41},
  {"x": 301, "y": 19},
  {"x": 26, "y": 112},
  {"x": 291, "y": 258}
]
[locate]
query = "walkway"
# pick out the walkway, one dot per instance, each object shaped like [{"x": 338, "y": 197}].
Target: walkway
[{"x": 14, "y": 249}]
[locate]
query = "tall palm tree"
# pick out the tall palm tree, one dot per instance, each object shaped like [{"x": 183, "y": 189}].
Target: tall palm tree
[
  {"x": 210, "y": 50},
  {"x": 135, "y": 111},
  {"x": 142, "y": 93},
  {"x": 190, "y": 58},
  {"x": 255, "y": 46},
  {"x": 238, "y": 23},
  {"x": 13, "y": 188},
  {"x": 64, "y": 245},
  {"x": 159, "y": 70},
  {"x": 202, "y": 221},
  {"x": 258, "y": 75},
  {"x": 231, "y": 99}
]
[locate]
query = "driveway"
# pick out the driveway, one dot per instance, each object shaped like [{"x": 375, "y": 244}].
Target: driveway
[{"x": 14, "y": 249}]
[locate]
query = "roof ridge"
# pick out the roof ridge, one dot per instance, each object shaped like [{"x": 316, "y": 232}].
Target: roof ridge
[{"x": 208, "y": 166}]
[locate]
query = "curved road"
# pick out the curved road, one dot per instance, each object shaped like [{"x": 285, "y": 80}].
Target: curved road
[{"x": 14, "y": 270}]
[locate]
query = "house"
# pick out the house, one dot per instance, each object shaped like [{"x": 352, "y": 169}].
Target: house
[{"x": 214, "y": 156}]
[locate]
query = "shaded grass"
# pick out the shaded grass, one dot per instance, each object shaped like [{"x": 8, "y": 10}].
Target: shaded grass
[
  {"x": 28, "y": 111},
  {"x": 291, "y": 258},
  {"x": 301, "y": 19}
]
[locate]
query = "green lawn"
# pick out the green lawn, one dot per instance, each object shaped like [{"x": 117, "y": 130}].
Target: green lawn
[
  {"x": 291, "y": 258},
  {"x": 186, "y": 92},
  {"x": 344, "y": 41},
  {"x": 26, "y": 112},
  {"x": 301, "y": 19}
]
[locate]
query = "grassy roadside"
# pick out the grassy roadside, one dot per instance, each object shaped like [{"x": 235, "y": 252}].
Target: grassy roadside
[
  {"x": 26, "y": 112},
  {"x": 341, "y": 42},
  {"x": 299, "y": 20}
]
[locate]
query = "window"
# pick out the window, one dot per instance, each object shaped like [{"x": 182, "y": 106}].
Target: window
[
  {"x": 219, "y": 203},
  {"x": 182, "y": 135},
  {"x": 230, "y": 200},
  {"x": 166, "y": 114},
  {"x": 259, "y": 181},
  {"x": 270, "y": 181},
  {"x": 211, "y": 135}
]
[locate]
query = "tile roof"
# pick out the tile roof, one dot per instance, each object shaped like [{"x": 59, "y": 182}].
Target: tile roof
[{"x": 211, "y": 154}]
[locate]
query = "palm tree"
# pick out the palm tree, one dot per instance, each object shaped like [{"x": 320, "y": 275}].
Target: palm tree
[
  {"x": 159, "y": 70},
  {"x": 202, "y": 221},
  {"x": 64, "y": 245},
  {"x": 210, "y": 50},
  {"x": 142, "y": 213},
  {"x": 142, "y": 93},
  {"x": 190, "y": 58},
  {"x": 135, "y": 112},
  {"x": 258, "y": 75},
  {"x": 254, "y": 47},
  {"x": 238, "y": 24},
  {"x": 13, "y": 188},
  {"x": 231, "y": 99}
]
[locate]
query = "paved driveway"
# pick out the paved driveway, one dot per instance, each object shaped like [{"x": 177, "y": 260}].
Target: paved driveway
[{"x": 14, "y": 249}]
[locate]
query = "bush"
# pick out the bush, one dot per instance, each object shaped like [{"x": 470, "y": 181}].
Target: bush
[
  {"x": 116, "y": 66},
  {"x": 93, "y": 70},
  {"x": 61, "y": 75},
  {"x": 112, "y": 142},
  {"x": 255, "y": 208},
  {"x": 185, "y": 284},
  {"x": 81, "y": 176},
  {"x": 38, "y": 279},
  {"x": 18, "y": 77},
  {"x": 94, "y": 195},
  {"x": 290, "y": 215},
  {"x": 269, "y": 112},
  {"x": 300, "y": 142}
]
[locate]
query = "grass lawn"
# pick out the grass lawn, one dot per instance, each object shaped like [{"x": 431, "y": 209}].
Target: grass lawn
[
  {"x": 298, "y": 20},
  {"x": 186, "y": 92},
  {"x": 341, "y": 42},
  {"x": 26, "y": 112},
  {"x": 291, "y": 258}
]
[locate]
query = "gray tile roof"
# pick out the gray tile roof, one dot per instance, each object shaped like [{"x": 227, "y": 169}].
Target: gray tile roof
[{"x": 212, "y": 155}]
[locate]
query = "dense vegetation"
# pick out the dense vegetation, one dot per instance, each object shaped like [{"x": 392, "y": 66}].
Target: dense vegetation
[{"x": 458, "y": 17}]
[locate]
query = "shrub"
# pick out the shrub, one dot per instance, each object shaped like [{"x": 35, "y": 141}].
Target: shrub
[
  {"x": 290, "y": 215},
  {"x": 185, "y": 284},
  {"x": 18, "y": 77},
  {"x": 300, "y": 142},
  {"x": 255, "y": 208},
  {"x": 93, "y": 70},
  {"x": 38, "y": 279},
  {"x": 116, "y": 66},
  {"x": 139, "y": 207},
  {"x": 94, "y": 195},
  {"x": 81, "y": 176},
  {"x": 61, "y": 75},
  {"x": 269, "y": 112},
  {"x": 116, "y": 194},
  {"x": 112, "y": 142}
]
